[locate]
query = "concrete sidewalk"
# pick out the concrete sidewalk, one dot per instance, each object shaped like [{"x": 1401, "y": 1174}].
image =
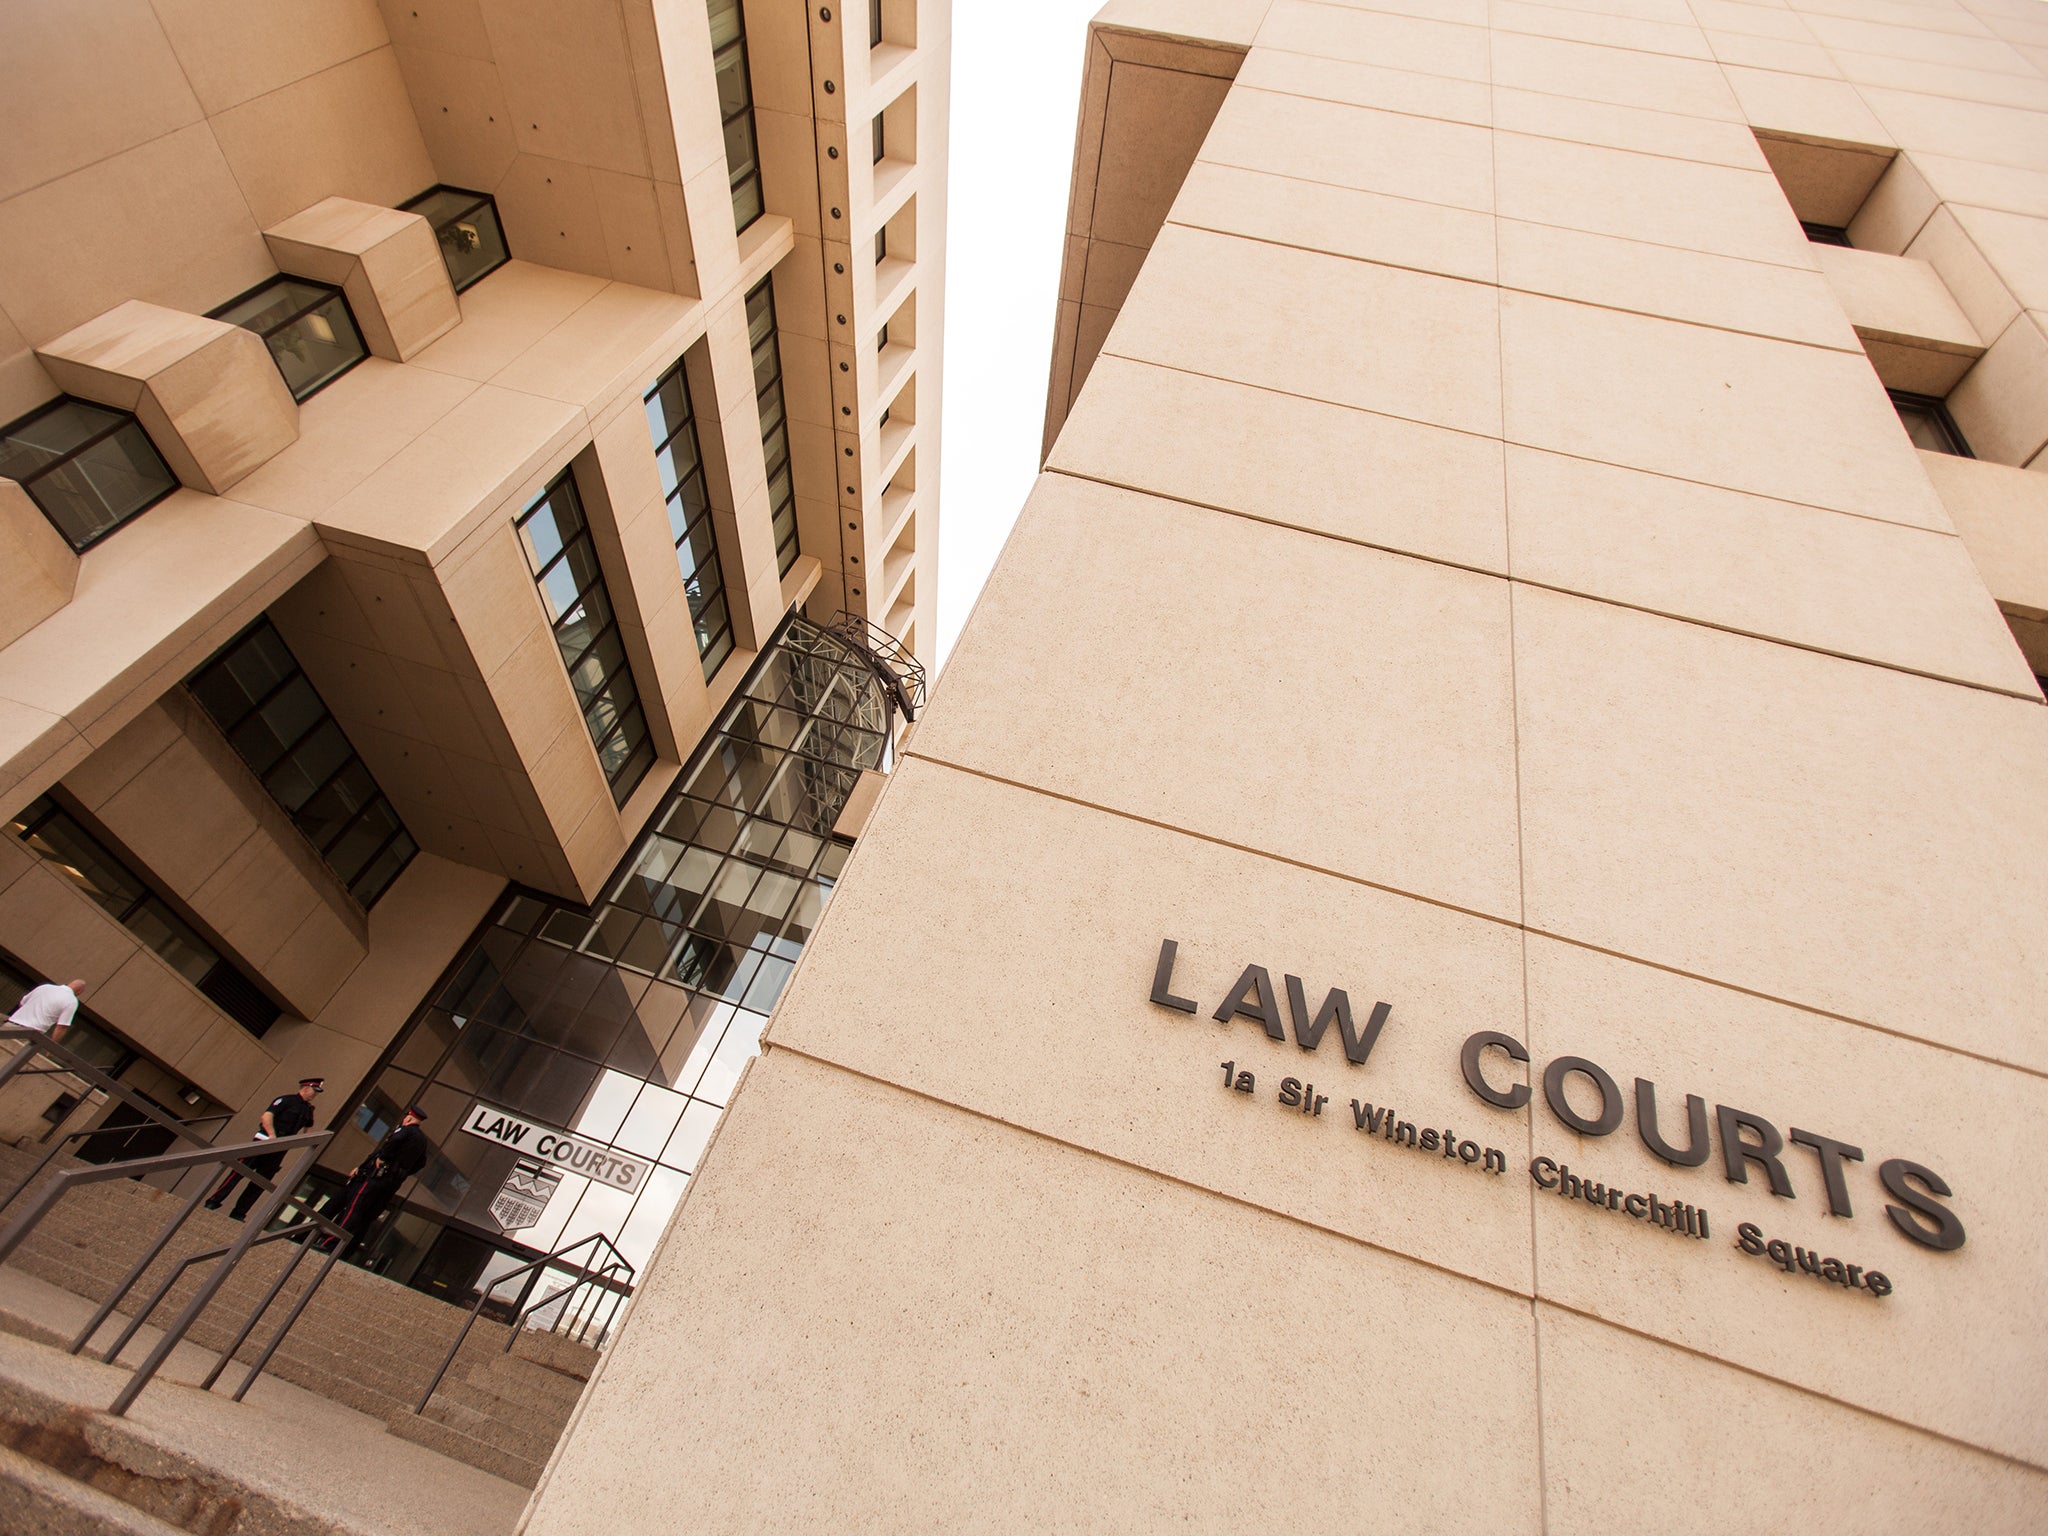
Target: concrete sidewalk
[{"x": 336, "y": 1468}]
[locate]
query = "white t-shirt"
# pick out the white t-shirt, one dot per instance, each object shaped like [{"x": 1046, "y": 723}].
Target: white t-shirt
[{"x": 46, "y": 1008}]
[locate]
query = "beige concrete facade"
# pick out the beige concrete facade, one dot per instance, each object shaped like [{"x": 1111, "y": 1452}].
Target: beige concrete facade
[
  {"x": 1477, "y": 567},
  {"x": 159, "y": 159}
]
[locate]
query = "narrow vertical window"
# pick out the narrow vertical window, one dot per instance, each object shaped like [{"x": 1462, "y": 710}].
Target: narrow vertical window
[
  {"x": 881, "y": 244},
  {"x": 280, "y": 727},
  {"x": 674, "y": 429},
  {"x": 736, "y": 109},
  {"x": 880, "y": 137},
  {"x": 874, "y": 23},
  {"x": 774, "y": 422},
  {"x": 88, "y": 467},
  {"x": 57, "y": 837},
  {"x": 564, "y": 562}
]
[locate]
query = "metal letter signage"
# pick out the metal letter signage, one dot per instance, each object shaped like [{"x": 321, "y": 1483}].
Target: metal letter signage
[
  {"x": 544, "y": 1143},
  {"x": 1749, "y": 1144}
]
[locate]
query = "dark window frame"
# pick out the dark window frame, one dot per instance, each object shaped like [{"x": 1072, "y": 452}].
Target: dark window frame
[
  {"x": 1934, "y": 411},
  {"x": 328, "y": 294},
  {"x": 478, "y": 200},
  {"x": 122, "y": 421},
  {"x": 733, "y": 55},
  {"x": 638, "y": 756},
  {"x": 1825, "y": 234},
  {"x": 769, "y": 396},
  {"x": 715, "y": 643},
  {"x": 223, "y": 983},
  {"x": 218, "y": 662}
]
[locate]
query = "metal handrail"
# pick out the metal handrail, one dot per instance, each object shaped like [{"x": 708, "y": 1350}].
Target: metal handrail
[
  {"x": 583, "y": 1328},
  {"x": 40, "y": 1044},
  {"x": 618, "y": 1260},
  {"x": 304, "y": 1149},
  {"x": 57, "y": 1146}
]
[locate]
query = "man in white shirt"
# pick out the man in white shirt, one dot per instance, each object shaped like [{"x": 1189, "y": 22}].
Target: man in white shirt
[{"x": 49, "y": 1008}]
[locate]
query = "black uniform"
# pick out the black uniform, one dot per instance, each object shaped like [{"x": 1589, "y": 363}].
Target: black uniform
[
  {"x": 290, "y": 1114},
  {"x": 399, "y": 1156}
]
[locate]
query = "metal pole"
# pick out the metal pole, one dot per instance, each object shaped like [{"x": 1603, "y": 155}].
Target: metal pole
[
  {"x": 261, "y": 1217},
  {"x": 20, "y": 1059},
  {"x": 263, "y": 1306},
  {"x": 292, "y": 1317},
  {"x": 421, "y": 1406},
  {"x": 127, "y": 1284}
]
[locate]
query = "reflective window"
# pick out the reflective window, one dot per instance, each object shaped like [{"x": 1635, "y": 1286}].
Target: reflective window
[
  {"x": 572, "y": 590},
  {"x": 774, "y": 422},
  {"x": 90, "y": 468},
  {"x": 1825, "y": 234},
  {"x": 467, "y": 227},
  {"x": 309, "y": 328},
  {"x": 673, "y": 425},
  {"x": 254, "y": 691},
  {"x": 629, "y": 1022},
  {"x": 57, "y": 837},
  {"x": 1929, "y": 424},
  {"x": 736, "y": 109}
]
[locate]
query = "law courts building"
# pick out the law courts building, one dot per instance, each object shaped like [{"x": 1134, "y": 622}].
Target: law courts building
[
  {"x": 1464, "y": 943},
  {"x": 468, "y": 483}
]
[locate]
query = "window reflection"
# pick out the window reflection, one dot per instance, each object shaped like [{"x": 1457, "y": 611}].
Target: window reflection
[{"x": 630, "y": 1023}]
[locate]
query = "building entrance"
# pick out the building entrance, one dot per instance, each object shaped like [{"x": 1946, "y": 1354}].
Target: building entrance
[{"x": 616, "y": 1032}]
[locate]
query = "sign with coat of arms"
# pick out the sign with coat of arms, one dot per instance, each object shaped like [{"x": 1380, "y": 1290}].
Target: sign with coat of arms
[{"x": 524, "y": 1195}]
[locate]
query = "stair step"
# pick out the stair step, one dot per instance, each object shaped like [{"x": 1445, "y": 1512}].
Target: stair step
[
  {"x": 40, "y": 1499},
  {"x": 436, "y": 1436},
  {"x": 514, "y": 1380},
  {"x": 556, "y": 1353}
]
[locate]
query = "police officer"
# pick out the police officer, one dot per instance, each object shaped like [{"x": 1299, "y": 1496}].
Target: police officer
[
  {"x": 373, "y": 1182},
  {"x": 288, "y": 1115}
]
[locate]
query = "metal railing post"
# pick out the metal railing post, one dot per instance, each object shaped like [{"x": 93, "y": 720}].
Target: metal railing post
[
  {"x": 290, "y": 1318},
  {"x": 135, "y": 1273},
  {"x": 265, "y": 1211}
]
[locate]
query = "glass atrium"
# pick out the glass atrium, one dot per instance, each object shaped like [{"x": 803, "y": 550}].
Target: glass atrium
[{"x": 627, "y": 1024}]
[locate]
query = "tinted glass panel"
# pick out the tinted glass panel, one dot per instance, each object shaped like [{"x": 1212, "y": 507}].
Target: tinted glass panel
[
  {"x": 466, "y": 225},
  {"x": 565, "y": 569},
  {"x": 736, "y": 108},
  {"x": 629, "y": 1023},
  {"x": 774, "y": 433},
  {"x": 277, "y": 723},
  {"x": 90, "y": 469},
  {"x": 56, "y": 836},
  {"x": 676, "y": 451},
  {"x": 309, "y": 328}
]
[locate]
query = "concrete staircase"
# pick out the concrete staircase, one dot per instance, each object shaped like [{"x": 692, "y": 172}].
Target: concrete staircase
[
  {"x": 504, "y": 1413},
  {"x": 363, "y": 1341}
]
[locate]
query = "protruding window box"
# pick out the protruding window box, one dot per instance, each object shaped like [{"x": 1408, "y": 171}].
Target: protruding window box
[
  {"x": 87, "y": 468},
  {"x": 386, "y": 261},
  {"x": 466, "y": 224},
  {"x": 1917, "y": 337},
  {"x": 308, "y": 327},
  {"x": 205, "y": 391},
  {"x": 42, "y": 570}
]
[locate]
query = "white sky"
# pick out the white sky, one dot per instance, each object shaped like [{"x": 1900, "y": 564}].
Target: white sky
[{"x": 1016, "y": 93}]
